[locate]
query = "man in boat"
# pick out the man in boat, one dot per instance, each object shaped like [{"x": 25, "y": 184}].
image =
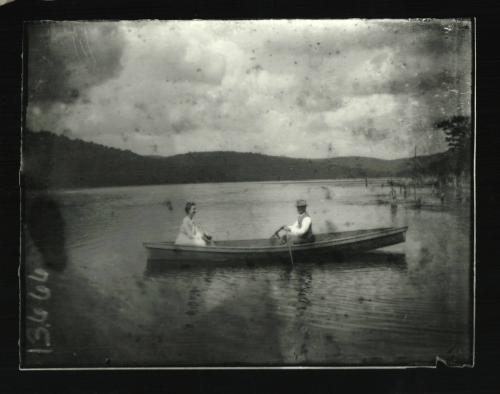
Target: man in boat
[
  {"x": 300, "y": 231},
  {"x": 190, "y": 233}
]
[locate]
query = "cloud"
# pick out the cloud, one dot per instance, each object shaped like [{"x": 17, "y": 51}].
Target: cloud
[
  {"x": 276, "y": 87},
  {"x": 67, "y": 58}
]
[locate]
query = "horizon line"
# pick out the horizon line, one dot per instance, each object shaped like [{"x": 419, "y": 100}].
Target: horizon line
[{"x": 228, "y": 151}]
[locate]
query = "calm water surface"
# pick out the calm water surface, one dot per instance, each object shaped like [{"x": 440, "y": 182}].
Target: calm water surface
[{"x": 401, "y": 305}]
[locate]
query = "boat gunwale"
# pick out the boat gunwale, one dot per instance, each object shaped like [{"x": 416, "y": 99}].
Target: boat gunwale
[{"x": 369, "y": 235}]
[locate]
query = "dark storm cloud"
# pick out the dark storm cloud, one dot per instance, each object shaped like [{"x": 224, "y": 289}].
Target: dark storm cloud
[
  {"x": 418, "y": 84},
  {"x": 65, "y": 59},
  {"x": 427, "y": 36},
  {"x": 433, "y": 37}
]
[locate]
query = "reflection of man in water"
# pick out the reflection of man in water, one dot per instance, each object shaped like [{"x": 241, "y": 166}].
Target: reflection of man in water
[
  {"x": 301, "y": 230},
  {"x": 393, "y": 195}
]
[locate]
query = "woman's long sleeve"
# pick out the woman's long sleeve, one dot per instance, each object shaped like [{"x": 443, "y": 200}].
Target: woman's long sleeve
[{"x": 187, "y": 228}]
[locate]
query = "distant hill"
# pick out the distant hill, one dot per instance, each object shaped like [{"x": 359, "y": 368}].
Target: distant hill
[{"x": 53, "y": 161}]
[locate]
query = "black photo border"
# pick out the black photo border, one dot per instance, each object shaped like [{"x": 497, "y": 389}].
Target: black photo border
[{"x": 480, "y": 379}]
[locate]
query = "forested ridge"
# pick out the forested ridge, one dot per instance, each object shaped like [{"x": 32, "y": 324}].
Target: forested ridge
[{"x": 55, "y": 161}]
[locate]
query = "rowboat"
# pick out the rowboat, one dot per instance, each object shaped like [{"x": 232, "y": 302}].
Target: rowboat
[{"x": 326, "y": 245}]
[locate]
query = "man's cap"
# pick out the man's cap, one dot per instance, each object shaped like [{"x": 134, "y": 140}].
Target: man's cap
[{"x": 301, "y": 203}]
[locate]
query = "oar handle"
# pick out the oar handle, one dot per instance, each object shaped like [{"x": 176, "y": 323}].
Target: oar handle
[{"x": 277, "y": 231}]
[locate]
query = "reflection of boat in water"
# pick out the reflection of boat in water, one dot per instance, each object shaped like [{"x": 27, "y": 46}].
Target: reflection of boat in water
[
  {"x": 328, "y": 245},
  {"x": 352, "y": 261}
]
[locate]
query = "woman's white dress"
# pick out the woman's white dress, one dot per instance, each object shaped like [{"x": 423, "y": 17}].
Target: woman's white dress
[{"x": 190, "y": 234}]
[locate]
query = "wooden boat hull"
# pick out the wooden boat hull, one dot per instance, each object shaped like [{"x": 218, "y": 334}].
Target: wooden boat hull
[{"x": 329, "y": 245}]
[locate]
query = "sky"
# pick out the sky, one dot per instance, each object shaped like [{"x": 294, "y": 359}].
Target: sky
[{"x": 296, "y": 88}]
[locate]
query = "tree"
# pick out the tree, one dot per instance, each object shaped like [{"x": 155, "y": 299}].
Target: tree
[{"x": 458, "y": 136}]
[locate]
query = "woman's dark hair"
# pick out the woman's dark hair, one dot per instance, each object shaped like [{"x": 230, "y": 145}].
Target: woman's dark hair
[{"x": 188, "y": 206}]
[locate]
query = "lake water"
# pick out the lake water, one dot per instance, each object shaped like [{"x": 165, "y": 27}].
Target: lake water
[{"x": 401, "y": 305}]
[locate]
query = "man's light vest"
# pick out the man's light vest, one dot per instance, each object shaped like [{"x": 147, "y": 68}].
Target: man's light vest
[{"x": 308, "y": 235}]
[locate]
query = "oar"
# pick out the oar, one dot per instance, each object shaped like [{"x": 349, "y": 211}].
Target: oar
[
  {"x": 275, "y": 234},
  {"x": 289, "y": 244},
  {"x": 287, "y": 241},
  {"x": 290, "y": 248}
]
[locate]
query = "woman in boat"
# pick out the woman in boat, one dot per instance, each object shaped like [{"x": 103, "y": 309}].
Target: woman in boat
[
  {"x": 301, "y": 230},
  {"x": 190, "y": 233}
]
